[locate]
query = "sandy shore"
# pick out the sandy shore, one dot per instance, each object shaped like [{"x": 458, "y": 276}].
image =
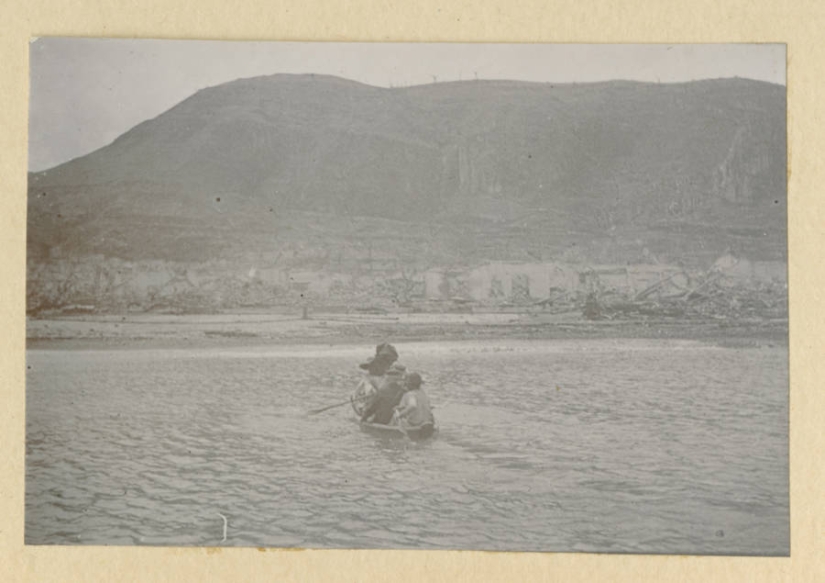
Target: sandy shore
[{"x": 242, "y": 329}]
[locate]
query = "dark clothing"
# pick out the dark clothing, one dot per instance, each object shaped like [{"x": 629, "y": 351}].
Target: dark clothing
[{"x": 384, "y": 402}]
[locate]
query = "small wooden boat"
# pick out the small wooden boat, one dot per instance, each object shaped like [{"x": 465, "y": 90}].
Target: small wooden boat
[{"x": 359, "y": 400}]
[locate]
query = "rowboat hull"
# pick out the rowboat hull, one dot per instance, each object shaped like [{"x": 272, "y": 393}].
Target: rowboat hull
[{"x": 414, "y": 433}]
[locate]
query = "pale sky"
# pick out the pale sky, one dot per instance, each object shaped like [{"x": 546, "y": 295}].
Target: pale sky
[{"x": 87, "y": 92}]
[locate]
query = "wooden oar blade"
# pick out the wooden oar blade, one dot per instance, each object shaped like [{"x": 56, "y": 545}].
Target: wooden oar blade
[
  {"x": 327, "y": 408},
  {"x": 341, "y": 404}
]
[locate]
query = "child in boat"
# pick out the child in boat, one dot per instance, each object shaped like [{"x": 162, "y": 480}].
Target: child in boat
[
  {"x": 382, "y": 405},
  {"x": 414, "y": 409}
]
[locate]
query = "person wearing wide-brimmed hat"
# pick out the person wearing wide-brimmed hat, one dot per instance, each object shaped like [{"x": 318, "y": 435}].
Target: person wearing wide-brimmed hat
[
  {"x": 414, "y": 408},
  {"x": 382, "y": 405},
  {"x": 375, "y": 366}
]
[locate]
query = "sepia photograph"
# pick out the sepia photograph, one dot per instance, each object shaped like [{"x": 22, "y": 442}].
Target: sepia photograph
[{"x": 497, "y": 297}]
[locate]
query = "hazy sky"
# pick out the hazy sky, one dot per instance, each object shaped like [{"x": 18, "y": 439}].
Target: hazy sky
[{"x": 87, "y": 92}]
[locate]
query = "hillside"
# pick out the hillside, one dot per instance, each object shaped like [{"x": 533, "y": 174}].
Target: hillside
[
  {"x": 329, "y": 173},
  {"x": 575, "y": 158}
]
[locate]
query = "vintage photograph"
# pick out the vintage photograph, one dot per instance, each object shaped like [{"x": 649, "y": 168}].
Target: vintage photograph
[{"x": 505, "y": 297}]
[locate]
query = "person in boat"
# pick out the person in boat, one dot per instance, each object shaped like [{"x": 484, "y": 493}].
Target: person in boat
[
  {"x": 381, "y": 406},
  {"x": 375, "y": 367},
  {"x": 414, "y": 408}
]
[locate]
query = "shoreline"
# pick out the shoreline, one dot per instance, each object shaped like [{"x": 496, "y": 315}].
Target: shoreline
[{"x": 107, "y": 332}]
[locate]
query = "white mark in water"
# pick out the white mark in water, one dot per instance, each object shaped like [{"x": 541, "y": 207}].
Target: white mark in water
[{"x": 225, "y": 524}]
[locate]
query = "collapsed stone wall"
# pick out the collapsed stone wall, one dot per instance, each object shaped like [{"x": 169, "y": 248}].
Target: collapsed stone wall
[{"x": 103, "y": 284}]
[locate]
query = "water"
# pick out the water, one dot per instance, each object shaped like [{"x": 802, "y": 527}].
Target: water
[{"x": 590, "y": 445}]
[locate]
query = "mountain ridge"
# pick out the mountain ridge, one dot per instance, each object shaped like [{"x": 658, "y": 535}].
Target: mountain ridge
[{"x": 609, "y": 159}]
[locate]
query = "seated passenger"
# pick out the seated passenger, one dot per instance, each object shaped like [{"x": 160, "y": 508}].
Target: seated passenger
[
  {"x": 382, "y": 405},
  {"x": 414, "y": 409}
]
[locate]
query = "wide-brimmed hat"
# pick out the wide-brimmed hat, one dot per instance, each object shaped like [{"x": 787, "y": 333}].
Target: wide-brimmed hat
[
  {"x": 386, "y": 350},
  {"x": 383, "y": 351}
]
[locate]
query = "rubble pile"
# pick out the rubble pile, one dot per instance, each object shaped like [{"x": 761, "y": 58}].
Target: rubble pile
[{"x": 714, "y": 297}]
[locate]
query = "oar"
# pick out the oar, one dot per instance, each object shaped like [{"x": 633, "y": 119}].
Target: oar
[{"x": 321, "y": 410}]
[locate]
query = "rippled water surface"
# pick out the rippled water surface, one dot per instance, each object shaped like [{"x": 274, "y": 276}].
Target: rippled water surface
[{"x": 608, "y": 446}]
